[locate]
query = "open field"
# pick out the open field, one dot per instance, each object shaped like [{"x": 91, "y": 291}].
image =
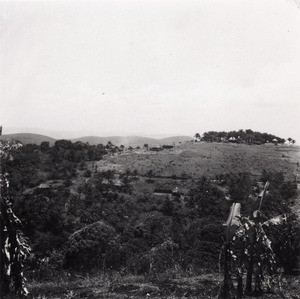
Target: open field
[
  {"x": 184, "y": 164},
  {"x": 210, "y": 159}
]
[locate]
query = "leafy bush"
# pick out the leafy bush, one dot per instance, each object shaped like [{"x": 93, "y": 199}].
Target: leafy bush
[
  {"x": 286, "y": 243},
  {"x": 94, "y": 246},
  {"x": 207, "y": 200},
  {"x": 163, "y": 256}
]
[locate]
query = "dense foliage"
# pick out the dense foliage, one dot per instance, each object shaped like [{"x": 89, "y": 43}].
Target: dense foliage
[
  {"x": 241, "y": 136},
  {"x": 78, "y": 218}
]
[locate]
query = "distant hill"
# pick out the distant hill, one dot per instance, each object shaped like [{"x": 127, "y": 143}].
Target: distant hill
[
  {"x": 133, "y": 141},
  {"x": 175, "y": 139},
  {"x": 117, "y": 140},
  {"x": 27, "y": 138}
]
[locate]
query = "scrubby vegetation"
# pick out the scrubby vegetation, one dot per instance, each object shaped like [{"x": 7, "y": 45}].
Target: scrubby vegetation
[{"x": 82, "y": 220}]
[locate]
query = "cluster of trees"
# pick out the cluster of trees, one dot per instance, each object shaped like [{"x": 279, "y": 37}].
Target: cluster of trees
[
  {"x": 242, "y": 136},
  {"x": 104, "y": 223},
  {"x": 33, "y": 164},
  {"x": 108, "y": 226},
  {"x": 291, "y": 140}
]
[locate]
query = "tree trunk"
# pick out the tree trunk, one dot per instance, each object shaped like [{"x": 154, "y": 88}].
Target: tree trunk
[
  {"x": 258, "y": 280},
  {"x": 249, "y": 276},
  {"x": 227, "y": 289},
  {"x": 15, "y": 278},
  {"x": 239, "y": 292}
]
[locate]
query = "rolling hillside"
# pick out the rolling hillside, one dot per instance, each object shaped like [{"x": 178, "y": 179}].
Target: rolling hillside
[
  {"x": 210, "y": 159},
  {"x": 27, "y": 138},
  {"x": 117, "y": 140},
  {"x": 175, "y": 139},
  {"x": 133, "y": 141}
]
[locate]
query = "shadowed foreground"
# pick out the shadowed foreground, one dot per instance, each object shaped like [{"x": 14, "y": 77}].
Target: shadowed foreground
[{"x": 130, "y": 286}]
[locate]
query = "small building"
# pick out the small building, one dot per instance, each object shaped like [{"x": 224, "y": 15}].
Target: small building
[
  {"x": 232, "y": 139},
  {"x": 174, "y": 192},
  {"x": 160, "y": 191},
  {"x": 156, "y": 149},
  {"x": 167, "y": 146},
  {"x": 42, "y": 188}
]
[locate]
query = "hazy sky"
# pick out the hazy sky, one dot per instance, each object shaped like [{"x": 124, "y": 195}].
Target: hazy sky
[{"x": 151, "y": 67}]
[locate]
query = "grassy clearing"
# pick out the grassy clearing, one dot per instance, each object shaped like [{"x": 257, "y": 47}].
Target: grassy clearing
[
  {"x": 211, "y": 159},
  {"x": 117, "y": 286}
]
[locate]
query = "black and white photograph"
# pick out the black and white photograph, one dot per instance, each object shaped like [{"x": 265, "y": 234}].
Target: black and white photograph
[{"x": 149, "y": 149}]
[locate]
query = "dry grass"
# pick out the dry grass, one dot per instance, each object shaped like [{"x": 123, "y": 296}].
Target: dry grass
[
  {"x": 116, "y": 286},
  {"x": 211, "y": 159}
]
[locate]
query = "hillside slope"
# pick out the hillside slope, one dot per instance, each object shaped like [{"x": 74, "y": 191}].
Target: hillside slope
[
  {"x": 211, "y": 159},
  {"x": 117, "y": 140},
  {"x": 174, "y": 139},
  {"x": 132, "y": 140},
  {"x": 28, "y": 138}
]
